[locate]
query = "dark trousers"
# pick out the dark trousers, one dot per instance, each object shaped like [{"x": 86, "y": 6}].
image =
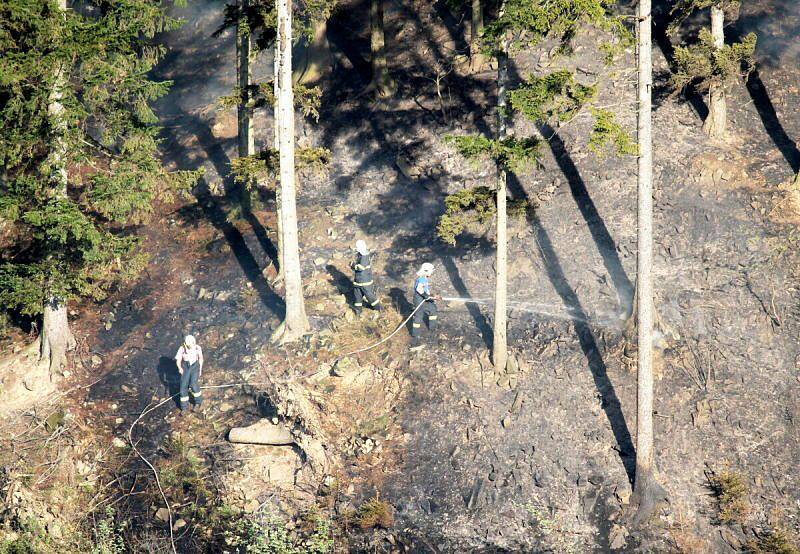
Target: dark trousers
[
  {"x": 365, "y": 294},
  {"x": 427, "y": 309},
  {"x": 190, "y": 382}
]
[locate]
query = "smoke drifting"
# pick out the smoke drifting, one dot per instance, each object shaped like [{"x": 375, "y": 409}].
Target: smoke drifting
[{"x": 777, "y": 25}]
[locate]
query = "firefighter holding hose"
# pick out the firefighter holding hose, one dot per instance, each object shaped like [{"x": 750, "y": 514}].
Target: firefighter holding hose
[{"x": 424, "y": 305}]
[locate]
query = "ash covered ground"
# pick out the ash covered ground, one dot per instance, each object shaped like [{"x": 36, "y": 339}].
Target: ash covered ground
[{"x": 534, "y": 459}]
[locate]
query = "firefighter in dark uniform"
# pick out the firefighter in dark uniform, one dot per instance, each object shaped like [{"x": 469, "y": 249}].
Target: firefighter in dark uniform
[
  {"x": 422, "y": 295},
  {"x": 363, "y": 284}
]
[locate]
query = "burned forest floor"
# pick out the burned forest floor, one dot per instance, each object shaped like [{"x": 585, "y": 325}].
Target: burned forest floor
[{"x": 433, "y": 449}]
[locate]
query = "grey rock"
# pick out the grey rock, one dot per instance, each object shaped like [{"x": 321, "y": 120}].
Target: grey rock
[{"x": 162, "y": 514}]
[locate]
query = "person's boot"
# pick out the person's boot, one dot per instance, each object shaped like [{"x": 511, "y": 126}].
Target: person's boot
[{"x": 416, "y": 344}]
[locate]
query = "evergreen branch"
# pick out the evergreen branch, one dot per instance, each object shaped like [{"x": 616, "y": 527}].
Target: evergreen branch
[{"x": 514, "y": 154}]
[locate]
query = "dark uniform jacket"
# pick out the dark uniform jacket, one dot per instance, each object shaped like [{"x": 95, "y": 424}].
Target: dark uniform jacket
[{"x": 362, "y": 271}]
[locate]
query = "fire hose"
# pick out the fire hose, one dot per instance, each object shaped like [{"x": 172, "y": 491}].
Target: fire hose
[{"x": 393, "y": 333}]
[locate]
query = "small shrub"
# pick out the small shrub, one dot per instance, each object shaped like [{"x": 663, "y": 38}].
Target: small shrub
[
  {"x": 688, "y": 542},
  {"x": 608, "y": 134},
  {"x": 511, "y": 153},
  {"x": 374, "y": 513},
  {"x": 20, "y": 544},
  {"x": 108, "y": 539},
  {"x": 475, "y": 206},
  {"x": 772, "y": 541},
  {"x": 269, "y": 535},
  {"x": 704, "y": 65},
  {"x": 730, "y": 491}
]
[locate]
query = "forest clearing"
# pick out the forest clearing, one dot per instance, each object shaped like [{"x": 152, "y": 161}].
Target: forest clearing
[{"x": 399, "y": 276}]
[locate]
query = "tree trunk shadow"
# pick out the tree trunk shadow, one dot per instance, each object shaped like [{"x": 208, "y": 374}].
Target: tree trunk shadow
[
  {"x": 610, "y": 402},
  {"x": 766, "y": 111},
  {"x": 215, "y": 212},
  {"x": 602, "y": 238},
  {"x": 473, "y": 309}
]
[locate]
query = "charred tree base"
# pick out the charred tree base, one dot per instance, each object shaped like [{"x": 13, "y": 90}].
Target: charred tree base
[
  {"x": 478, "y": 62},
  {"x": 56, "y": 338},
  {"x": 284, "y": 334},
  {"x": 383, "y": 86},
  {"x": 648, "y": 496},
  {"x": 715, "y": 124},
  {"x": 665, "y": 333}
]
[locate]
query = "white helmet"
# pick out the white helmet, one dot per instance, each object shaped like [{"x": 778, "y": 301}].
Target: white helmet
[
  {"x": 426, "y": 269},
  {"x": 361, "y": 247},
  {"x": 189, "y": 341}
]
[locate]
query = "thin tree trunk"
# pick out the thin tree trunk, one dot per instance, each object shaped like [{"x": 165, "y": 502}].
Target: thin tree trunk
[
  {"x": 295, "y": 323},
  {"x": 500, "y": 346},
  {"x": 476, "y": 59},
  {"x": 716, "y": 122},
  {"x": 276, "y": 142},
  {"x": 647, "y": 491},
  {"x": 56, "y": 337},
  {"x": 382, "y": 82},
  {"x": 246, "y": 134}
]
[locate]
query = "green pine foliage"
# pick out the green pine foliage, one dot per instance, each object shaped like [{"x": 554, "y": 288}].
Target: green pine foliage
[
  {"x": 261, "y": 19},
  {"x": 474, "y": 207},
  {"x": 531, "y": 21},
  {"x": 703, "y": 65},
  {"x": 555, "y": 95},
  {"x": 264, "y": 166},
  {"x": 77, "y": 242},
  {"x": 607, "y": 135},
  {"x": 511, "y": 153},
  {"x": 684, "y": 8},
  {"x": 261, "y": 95}
]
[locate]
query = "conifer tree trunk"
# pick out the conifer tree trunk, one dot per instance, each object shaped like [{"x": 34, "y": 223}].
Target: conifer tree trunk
[
  {"x": 246, "y": 134},
  {"x": 316, "y": 58},
  {"x": 295, "y": 323},
  {"x": 476, "y": 58},
  {"x": 715, "y": 123},
  {"x": 276, "y": 142},
  {"x": 500, "y": 347},
  {"x": 647, "y": 491},
  {"x": 382, "y": 82},
  {"x": 56, "y": 337}
]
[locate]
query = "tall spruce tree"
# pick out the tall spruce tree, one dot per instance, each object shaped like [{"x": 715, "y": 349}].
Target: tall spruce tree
[
  {"x": 261, "y": 169},
  {"x": 382, "y": 82},
  {"x": 477, "y": 8},
  {"x": 295, "y": 322},
  {"x": 78, "y": 148},
  {"x": 273, "y": 22},
  {"x": 647, "y": 491},
  {"x": 244, "y": 109},
  {"x": 499, "y": 336},
  {"x": 710, "y": 65},
  {"x": 556, "y": 96},
  {"x": 476, "y": 57}
]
